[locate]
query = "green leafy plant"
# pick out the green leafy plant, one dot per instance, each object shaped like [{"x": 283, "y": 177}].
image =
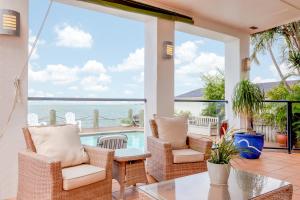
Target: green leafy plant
[
  {"x": 296, "y": 129},
  {"x": 214, "y": 89},
  {"x": 247, "y": 100},
  {"x": 223, "y": 150},
  {"x": 183, "y": 113},
  {"x": 127, "y": 121},
  {"x": 275, "y": 113},
  {"x": 294, "y": 59},
  {"x": 280, "y": 118}
]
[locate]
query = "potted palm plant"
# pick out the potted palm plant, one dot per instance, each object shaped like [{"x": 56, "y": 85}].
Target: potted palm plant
[
  {"x": 247, "y": 101},
  {"x": 219, "y": 163},
  {"x": 280, "y": 121},
  {"x": 296, "y": 130}
]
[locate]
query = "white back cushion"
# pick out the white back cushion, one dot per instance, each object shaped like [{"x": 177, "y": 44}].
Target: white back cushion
[
  {"x": 173, "y": 130},
  {"x": 59, "y": 142}
]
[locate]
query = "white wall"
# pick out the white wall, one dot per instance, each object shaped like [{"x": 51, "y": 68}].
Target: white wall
[
  {"x": 13, "y": 53},
  {"x": 235, "y": 50},
  {"x": 159, "y": 72}
]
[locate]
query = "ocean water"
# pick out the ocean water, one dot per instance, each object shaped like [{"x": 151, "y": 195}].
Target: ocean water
[{"x": 110, "y": 114}]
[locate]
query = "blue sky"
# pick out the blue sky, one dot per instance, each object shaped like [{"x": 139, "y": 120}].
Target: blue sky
[{"x": 83, "y": 53}]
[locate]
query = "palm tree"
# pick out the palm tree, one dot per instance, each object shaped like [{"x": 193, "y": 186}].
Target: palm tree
[
  {"x": 289, "y": 37},
  {"x": 263, "y": 42},
  {"x": 294, "y": 58},
  {"x": 291, "y": 33}
]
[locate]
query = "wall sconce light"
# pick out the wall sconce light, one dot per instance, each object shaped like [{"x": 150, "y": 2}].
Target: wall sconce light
[
  {"x": 9, "y": 22},
  {"x": 246, "y": 63},
  {"x": 168, "y": 49}
]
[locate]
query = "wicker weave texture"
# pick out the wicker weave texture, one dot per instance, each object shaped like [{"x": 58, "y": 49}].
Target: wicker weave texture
[
  {"x": 135, "y": 172},
  {"x": 40, "y": 178},
  {"x": 283, "y": 193},
  {"x": 129, "y": 173},
  {"x": 160, "y": 165},
  {"x": 143, "y": 196}
]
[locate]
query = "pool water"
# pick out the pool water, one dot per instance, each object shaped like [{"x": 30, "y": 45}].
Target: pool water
[{"x": 135, "y": 139}]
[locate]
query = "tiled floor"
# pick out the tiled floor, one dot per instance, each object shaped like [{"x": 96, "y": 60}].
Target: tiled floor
[
  {"x": 274, "y": 164},
  {"x": 278, "y": 165}
]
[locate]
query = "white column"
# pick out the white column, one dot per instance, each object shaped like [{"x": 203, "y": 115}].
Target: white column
[
  {"x": 159, "y": 72},
  {"x": 235, "y": 51},
  {"x": 13, "y": 53}
]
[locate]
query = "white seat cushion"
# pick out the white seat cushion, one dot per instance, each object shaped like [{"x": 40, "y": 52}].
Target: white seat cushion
[
  {"x": 61, "y": 143},
  {"x": 187, "y": 156},
  {"x": 173, "y": 130},
  {"x": 81, "y": 175}
]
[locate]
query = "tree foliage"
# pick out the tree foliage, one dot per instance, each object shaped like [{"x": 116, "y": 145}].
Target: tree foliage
[
  {"x": 214, "y": 86},
  {"x": 275, "y": 114},
  {"x": 214, "y": 89},
  {"x": 288, "y": 37}
]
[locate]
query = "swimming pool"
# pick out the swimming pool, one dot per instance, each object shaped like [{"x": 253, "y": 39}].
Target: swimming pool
[{"x": 135, "y": 139}]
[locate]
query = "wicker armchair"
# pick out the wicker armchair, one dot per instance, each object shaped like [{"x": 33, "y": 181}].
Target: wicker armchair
[
  {"x": 161, "y": 164},
  {"x": 41, "y": 177}
]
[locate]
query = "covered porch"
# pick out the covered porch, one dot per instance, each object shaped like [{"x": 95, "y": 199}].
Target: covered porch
[{"x": 229, "y": 22}]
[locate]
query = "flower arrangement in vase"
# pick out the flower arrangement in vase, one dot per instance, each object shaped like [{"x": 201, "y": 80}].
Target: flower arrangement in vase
[{"x": 218, "y": 164}]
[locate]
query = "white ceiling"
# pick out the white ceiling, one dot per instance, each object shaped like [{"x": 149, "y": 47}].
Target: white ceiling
[{"x": 240, "y": 14}]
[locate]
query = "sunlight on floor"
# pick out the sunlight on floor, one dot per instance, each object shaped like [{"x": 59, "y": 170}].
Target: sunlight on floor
[{"x": 277, "y": 165}]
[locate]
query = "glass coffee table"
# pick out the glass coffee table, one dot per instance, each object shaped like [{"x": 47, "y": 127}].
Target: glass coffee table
[{"x": 241, "y": 185}]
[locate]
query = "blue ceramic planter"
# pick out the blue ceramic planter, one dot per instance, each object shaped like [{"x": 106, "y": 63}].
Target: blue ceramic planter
[{"x": 250, "y": 146}]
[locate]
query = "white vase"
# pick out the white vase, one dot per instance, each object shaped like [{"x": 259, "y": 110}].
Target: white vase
[
  {"x": 218, "y": 173},
  {"x": 218, "y": 192}
]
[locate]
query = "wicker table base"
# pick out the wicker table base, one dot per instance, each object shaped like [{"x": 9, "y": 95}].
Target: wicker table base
[{"x": 129, "y": 168}]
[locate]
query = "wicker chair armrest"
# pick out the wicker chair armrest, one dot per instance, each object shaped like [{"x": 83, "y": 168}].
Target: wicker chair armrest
[
  {"x": 200, "y": 144},
  {"x": 40, "y": 175},
  {"x": 160, "y": 150},
  {"x": 101, "y": 157}
]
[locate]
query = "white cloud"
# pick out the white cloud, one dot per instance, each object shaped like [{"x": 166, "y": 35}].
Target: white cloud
[
  {"x": 191, "y": 64},
  {"x": 259, "y": 79},
  {"x": 104, "y": 78},
  {"x": 94, "y": 84},
  {"x": 31, "y": 41},
  {"x": 39, "y": 93},
  {"x": 73, "y": 88},
  {"x": 132, "y": 85},
  {"x": 203, "y": 63},
  {"x": 284, "y": 69},
  {"x": 186, "y": 52},
  {"x": 128, "y": 92},
  {"x": 61, "y": 74},
  {"x": 37, "y": 75},
  {"x": 92, "y": 66},
  {"x": 134, "y": 62},
  {"x": 57, "y": 74},
  {"x": 72, "y": 36},
  {"x": 139, "y": 78}
]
